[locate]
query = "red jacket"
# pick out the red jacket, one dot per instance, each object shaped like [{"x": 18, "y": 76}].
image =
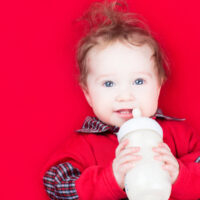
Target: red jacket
[{"x": 92, "y": 154}]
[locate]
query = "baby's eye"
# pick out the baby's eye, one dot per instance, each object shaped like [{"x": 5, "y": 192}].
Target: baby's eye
[
  {"x": 109, "y": 84},
  {"x": 139, "y": 81}
]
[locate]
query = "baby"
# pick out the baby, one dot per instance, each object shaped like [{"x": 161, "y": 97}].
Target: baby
[{"x": 121, "y": 68}]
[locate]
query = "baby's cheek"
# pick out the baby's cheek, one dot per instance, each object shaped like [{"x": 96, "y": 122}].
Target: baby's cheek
[{"x": 149, "y": 111}]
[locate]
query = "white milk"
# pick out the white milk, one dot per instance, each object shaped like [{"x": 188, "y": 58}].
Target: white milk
[{"x": 147, "y": 180}]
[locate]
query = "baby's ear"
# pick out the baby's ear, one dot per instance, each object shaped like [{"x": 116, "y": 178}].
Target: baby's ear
[{"x": 87, "y": 95}]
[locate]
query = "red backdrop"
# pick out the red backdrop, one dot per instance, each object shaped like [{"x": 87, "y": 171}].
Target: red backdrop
[{"x": 41, "y": 103}]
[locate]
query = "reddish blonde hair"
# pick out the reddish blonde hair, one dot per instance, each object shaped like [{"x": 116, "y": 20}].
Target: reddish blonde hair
[{"x": 109, "y": 22}]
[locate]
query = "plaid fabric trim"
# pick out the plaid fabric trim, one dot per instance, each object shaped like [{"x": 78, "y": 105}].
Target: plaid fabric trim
[
  {"x": 159, "y": 114},
  {"x": 197, "y": 160},
  {"x": 94, "y": 125},
  {"x": 59, "y": 182}
]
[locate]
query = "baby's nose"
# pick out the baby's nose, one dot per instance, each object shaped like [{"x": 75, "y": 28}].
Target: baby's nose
[{"x": 125, "y": 95}]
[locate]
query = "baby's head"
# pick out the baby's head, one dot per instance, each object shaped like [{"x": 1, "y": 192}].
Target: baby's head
[{"x": 121, "y": 64}]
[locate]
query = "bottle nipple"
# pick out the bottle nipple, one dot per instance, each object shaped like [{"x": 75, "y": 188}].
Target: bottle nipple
[{"x": 136, "y": 113}]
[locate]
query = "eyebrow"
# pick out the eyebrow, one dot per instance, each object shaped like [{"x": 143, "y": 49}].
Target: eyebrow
[
  {"x": 145, "y": 73},
  {"x": 111, "y": 75},
  {"x": 104, "y": 76}
]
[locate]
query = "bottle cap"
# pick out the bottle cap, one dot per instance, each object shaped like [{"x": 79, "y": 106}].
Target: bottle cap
[{"x": 138, "y": 123}]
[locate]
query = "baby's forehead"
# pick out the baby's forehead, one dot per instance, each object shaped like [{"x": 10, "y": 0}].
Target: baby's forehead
[
  {"x": 119, "y": 50},
  {"x": 118, "y": 46}
]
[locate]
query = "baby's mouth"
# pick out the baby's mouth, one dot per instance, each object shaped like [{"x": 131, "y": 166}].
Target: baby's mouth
[{"x": 125, "y": 113}]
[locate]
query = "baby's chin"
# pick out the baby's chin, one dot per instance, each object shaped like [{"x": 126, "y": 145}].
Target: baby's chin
[
  {"x": 116, "y": 124},
  {"x": 119, "y": 123}
]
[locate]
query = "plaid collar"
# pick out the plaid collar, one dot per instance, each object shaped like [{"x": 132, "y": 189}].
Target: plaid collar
[{"x": 94, "y": 125}]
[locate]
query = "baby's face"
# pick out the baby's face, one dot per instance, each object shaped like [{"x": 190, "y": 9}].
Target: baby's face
[{"x": 121, "y": 77}]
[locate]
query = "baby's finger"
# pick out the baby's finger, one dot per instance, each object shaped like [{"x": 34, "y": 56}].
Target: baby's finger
[
  {"x": 170, "y": 168},
  {"x": 167, "y": 159},
  {"x": 128, "y": 166},
  {"x": 129, "y": 158},
  {"x": 123, "y": 168},
  {"x": 164, "y": 145},
  {"x": 128, "y": 151},
  {"x": 162, "y": 150},
  {"x": 121, "y": 146}
]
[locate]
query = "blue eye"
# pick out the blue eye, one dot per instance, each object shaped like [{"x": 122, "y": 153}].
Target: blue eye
[
  {"x": 109, "y": 84},
  {"x": 139, "y": 81}
]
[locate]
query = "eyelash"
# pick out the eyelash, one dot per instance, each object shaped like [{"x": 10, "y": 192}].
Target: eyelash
[
  {"x": 138, "y": 81},
  {"x": 108, "y": 83}
]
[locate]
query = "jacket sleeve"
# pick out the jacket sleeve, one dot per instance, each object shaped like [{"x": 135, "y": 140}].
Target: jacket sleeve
[
  {"x": 76, "y": 175},
  {"x": 187, "y": 185},
  {"x": 66, "y": 182},
  {"x": 99, "y": 183}
]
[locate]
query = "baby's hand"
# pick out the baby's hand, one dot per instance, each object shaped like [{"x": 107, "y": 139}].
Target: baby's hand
[
  {"x": 125, "y": 160},
  {"x": 170, "y": 163}
]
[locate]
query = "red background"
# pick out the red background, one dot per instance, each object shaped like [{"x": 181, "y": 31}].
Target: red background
[{"x": 41, "y": 103}]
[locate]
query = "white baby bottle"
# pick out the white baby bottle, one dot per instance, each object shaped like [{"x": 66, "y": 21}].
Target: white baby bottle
[{"x": 147, "y": 180}]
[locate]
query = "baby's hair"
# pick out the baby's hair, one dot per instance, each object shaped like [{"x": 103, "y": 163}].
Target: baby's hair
[{"x": 109, "y": 22}]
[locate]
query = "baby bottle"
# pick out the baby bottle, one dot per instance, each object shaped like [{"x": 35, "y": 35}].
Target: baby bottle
[{"x": 147, "y": 180}]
